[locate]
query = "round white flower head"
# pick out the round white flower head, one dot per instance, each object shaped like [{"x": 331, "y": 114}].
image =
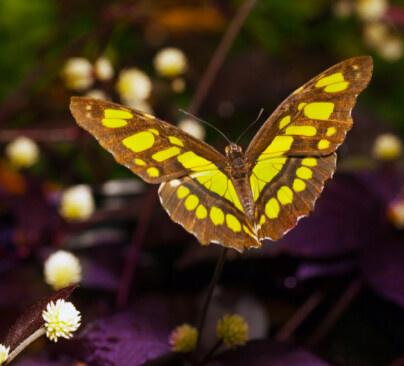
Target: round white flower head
[
  {"x": 170, "y": 62},
  {"x": 22, "y": 152},
  {"x": 97, "y": 94},
  {"x": 77, "y": 73},
  {"x": 77, "y": 203},
  {"x": 103, "y": 69},
  {"x": 387, "y": 147},
  {"x": 61, "y": 319},
  {"x": 133, "y": 84},
  {"x": 62, "y": 269},
  {"x": 3, "y": 353},
  {"x": 192, "y": 127},
  {"x": 371, "y": 9}
]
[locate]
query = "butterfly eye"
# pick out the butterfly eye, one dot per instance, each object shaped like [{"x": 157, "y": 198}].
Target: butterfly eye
[{"x": 226, "y": 149}]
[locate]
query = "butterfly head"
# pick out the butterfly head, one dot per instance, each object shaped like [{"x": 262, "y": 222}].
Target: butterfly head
[{"x": 233, "y": 151}]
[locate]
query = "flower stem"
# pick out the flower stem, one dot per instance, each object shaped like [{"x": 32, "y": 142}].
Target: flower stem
[
  {"x": 16, "y": 351},
  {"x": 215, "y": 278},
  {"x": 210, "y": 354}
]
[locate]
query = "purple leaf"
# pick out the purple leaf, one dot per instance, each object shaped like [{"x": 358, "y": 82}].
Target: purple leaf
[
  {"x": 339, "y": 224},
  {"x": 267, "y": 353},
  {"x": 383, "y": 269},
  {"x": 124, "y": 339},
  {"x": 31, "y": 320}
]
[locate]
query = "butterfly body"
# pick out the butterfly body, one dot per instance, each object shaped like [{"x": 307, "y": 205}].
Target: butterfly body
[
  {"x": 240, "y": 198},
  {"x": 238, "y": 170}
]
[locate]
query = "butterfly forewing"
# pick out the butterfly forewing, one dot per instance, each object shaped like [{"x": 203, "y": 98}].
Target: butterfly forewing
[
  {"x": 293, "y": 153},
  {"x": 151, "y": 148}
]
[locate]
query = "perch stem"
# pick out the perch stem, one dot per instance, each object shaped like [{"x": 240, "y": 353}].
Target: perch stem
[{"x": 215, "y": 278}]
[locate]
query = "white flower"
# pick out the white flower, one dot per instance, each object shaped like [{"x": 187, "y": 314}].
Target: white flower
[
  {"x": 371, "y": 9},
  {"x": 103, "y": 69},
  {"x": 97, "y": 93},
  {"x": 170, "y": 62},
  {"x": 61, "y": 319},
  {"x": 22, "y": 152},
  {"x": 192, "y": 127},
  {"x": 3, "y": 353},
  {"x": 387, "y": 147},
  {"x": 133, "y": 84},
  {"x": 62, "y": 269},
  {"x": 77, "y": 203},
  {"x": 78, "y": 73}
]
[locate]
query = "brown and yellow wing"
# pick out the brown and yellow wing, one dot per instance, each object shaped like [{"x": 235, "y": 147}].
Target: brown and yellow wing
[
  {"x": 151, "y": 148},
  {"x": 293, "y": 153},
  {"x": 213, "y": 216}
]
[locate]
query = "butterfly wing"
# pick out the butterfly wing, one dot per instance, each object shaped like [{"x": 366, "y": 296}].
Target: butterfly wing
[
  {"x": 293, "y": 153},
  {"x": 150, "y": 147},
  {"x": 195, "y": 189}
]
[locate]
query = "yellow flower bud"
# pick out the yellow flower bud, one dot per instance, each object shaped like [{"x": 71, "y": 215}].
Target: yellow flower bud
[
  {"x": 183, "y": 338},
  {"x": 232, "y": 329},
  {"x": 133, "y": 84},
  {"x": 62, "y": 269},
  {"x": 103, "y": 69},
  {"x": 170, "y": 62},
  {"x": 387, "y": 147},
  {"x": 77, "y": 74},
  {"x": 22, "y": 152},
  {"x": 77, "y": 203}
]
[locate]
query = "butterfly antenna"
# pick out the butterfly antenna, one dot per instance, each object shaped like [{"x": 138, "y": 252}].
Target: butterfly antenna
[
  {"x": 252, "y": 124},
  {"x": 201, "y": 120}
]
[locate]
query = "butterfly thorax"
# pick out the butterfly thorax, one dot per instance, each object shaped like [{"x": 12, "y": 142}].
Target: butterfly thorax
[{"x": 238, "y": 169}]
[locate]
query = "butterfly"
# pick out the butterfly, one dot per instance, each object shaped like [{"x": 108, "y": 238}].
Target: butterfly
[{"x": 240, "y": 198}]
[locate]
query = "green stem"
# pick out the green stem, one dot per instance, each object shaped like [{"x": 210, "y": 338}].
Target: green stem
[{"x": 215, "y": 278}]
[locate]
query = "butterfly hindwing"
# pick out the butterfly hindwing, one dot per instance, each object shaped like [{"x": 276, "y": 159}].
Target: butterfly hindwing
[
  {"x": 151, "y": 148},
  {"x": 292, "y": 194},
  {"x": 205, "y": 214}
]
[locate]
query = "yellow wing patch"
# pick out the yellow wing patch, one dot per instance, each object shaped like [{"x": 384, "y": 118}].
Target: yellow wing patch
[
  {"x": 114, "y": 118},
  {"x": 140, "y": 141},
  {"x": 319, "y": 110}
]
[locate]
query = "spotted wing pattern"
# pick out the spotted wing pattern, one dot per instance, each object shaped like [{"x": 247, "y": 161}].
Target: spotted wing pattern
[
  {"x": 289, "y": 172},
  {"x": 151, "y": 148}
]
